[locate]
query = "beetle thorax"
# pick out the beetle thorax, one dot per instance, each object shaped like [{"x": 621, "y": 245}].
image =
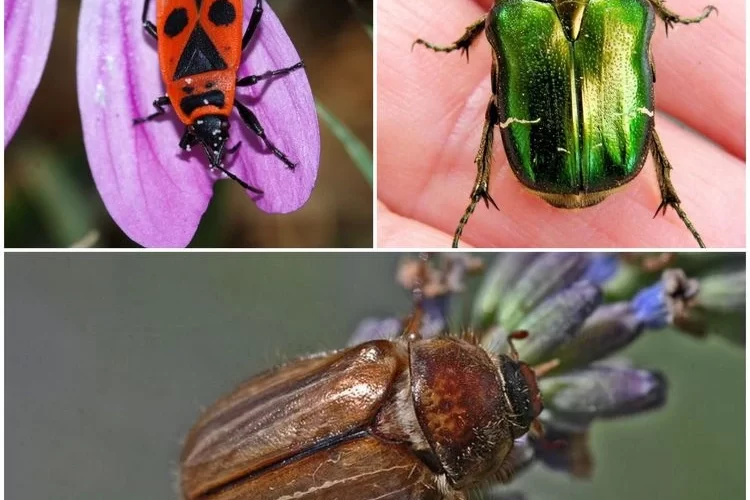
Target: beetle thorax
[
  {"x": 461, "y": 408},
  {"x": 570, "y": 13}
]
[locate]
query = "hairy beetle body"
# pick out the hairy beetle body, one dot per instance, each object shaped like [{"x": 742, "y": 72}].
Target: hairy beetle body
[{"x": 417, "y": 419}]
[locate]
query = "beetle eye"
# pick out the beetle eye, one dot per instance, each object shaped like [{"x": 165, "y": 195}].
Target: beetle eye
[{"x": 523, "y": 394}]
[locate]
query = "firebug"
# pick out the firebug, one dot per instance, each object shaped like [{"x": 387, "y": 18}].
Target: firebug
[{"x": 200, "y": 44}]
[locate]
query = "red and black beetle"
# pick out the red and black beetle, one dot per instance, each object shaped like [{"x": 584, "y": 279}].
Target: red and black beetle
[{"x": 200, "y": 43}]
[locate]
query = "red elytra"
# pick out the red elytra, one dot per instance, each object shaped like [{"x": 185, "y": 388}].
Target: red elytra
[{"x": 200, "y": 44}]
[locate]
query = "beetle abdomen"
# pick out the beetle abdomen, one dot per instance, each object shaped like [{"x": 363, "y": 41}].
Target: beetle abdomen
[
  {"x": 575, "y": 94},
  {"x": 284, "y": 415},
  {"x": 363, "y": 468}
]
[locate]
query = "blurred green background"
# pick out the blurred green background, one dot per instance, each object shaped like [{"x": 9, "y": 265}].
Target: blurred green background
[
  {"x": 111, "y": 357},
  {"x": 50, "y": 197}
]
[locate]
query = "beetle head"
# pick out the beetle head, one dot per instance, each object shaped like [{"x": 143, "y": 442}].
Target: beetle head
[
  {"x": 213, "y": 132},
  {"x": 523, "y": 394}
]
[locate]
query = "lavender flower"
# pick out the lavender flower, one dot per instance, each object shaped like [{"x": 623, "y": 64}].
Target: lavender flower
[
  {"x": 156, "y": 193},
  {"x": 28, "y": 34},
  {"x": 565, "y": 302}
]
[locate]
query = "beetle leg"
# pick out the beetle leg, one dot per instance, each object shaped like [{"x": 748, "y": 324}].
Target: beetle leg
[
  {"x": 188, "y": 140},
  {"x": 463, "y": 43},
  {"x": 148, "y": 25},
  {"x": 253, "y": 79},
  {"x": 253, "y": 24},
  {"x": 158, "y": 103},
  {"x": 669, "y": 196},
  {"x": 671, "y": 18},
  {"x": 252, "y": 121},
  {"x": 481, "y": 190}
]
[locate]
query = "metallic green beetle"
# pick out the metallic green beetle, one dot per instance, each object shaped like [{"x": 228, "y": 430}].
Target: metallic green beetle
[{"x": 574, "y": 100}]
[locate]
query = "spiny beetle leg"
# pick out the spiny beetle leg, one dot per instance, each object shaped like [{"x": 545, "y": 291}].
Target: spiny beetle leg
[
  {"x": 463, "y": 43},
  {"x": 253, "y": 79},
  {"x": 671, "y": 18},
  {"x": 481, "y": 190},
  {"x": 253, "y": 24},
  {"x": 148, "y": 25},
  {"x": 252, "y": 121},
  {"x": 158, "y": 103},
  {"x": 669, "y": 196}
]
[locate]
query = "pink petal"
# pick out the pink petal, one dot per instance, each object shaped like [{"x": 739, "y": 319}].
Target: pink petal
[
  {"x": 155, "y": 192},
  {"x": 28, "y": 33}
]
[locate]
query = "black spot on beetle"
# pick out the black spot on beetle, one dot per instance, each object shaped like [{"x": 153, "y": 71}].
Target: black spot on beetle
[
  {"x": 210, "y": 85},
  {"x": 190, "y": 103},
  {"x": 176, "y": 22},
  {"x": 222, "y": 13},
  {"x": 188, "y": 89}
]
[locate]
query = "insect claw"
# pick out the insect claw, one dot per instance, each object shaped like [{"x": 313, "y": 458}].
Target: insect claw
[{"x": 488, "y": 199}]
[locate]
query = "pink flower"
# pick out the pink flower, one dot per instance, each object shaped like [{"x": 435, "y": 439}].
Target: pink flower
[
  {"x": 155, "y": 191},
  {"x": 28, "y": 33}
]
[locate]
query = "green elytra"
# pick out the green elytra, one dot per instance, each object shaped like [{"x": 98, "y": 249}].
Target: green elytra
[{"x": 573, "y": 96}]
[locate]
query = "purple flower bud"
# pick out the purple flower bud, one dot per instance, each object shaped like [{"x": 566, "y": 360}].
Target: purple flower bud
[
  {"x": 602, "y": 391},
  {"x": 552, "y": 323},
  {"x": 544, "y": 277},
  {"x": 565, "y": 451},
  {"x": 28, "y": 33},
  {"x": 602, "y": 267},
  {"x": 376, "y": 329}
]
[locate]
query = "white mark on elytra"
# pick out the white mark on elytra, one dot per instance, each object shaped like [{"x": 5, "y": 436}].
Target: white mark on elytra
[
  {"x": 507, "y": 122},
  {"x": 563, "y": 150},
  {"x": 328, "y": 484},
  {"x": 644, "y": 111}
]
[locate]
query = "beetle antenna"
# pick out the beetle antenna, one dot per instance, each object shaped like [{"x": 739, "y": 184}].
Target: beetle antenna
[
  {"x": 517, "y": 335},
  {"x": 413, "y": 324}
]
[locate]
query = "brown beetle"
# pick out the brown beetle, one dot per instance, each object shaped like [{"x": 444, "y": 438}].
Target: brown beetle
[{"x": 408, "y": 418}]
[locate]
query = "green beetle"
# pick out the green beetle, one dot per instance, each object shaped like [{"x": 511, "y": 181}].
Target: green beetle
[{"x": 574, "y": 100}]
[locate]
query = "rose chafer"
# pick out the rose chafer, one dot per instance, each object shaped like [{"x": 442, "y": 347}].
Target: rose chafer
[{"x": 574, "y": 100}]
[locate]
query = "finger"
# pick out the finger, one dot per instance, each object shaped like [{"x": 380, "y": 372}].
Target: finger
[
  {"x": 421, "y": 95},
  {"x": 700, "y": 72},
  {"x": 397, "y": 231}
]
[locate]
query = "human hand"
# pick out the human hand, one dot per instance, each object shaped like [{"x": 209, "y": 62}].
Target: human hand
[{"x": 431, "y": 111}]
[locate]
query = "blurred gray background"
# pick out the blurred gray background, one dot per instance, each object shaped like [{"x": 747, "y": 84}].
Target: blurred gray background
[{"x": 111, "y": 357}]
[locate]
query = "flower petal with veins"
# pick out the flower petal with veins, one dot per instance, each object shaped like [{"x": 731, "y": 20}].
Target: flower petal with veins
[
  {"x": 28, "y": 33},
  {"x": 155, "y": 192}
]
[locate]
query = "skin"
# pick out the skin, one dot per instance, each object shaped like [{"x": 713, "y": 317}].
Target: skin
[{"x": 431, "y": 110}]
